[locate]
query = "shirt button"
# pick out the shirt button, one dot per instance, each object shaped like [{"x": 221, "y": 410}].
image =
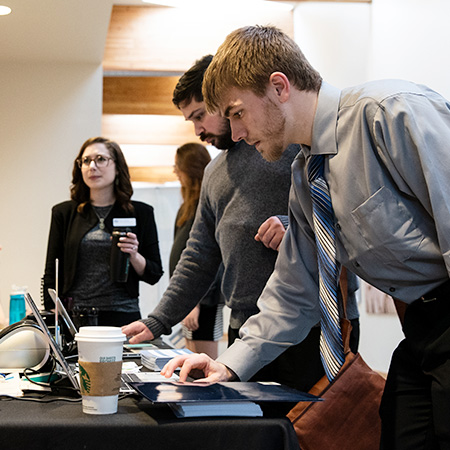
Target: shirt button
[
  {"x": 391, "y": 289},
  {"x": 338, "y": 226}
]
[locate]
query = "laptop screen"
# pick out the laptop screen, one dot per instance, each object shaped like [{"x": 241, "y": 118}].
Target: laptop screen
[{"x": 63, "y": 312}]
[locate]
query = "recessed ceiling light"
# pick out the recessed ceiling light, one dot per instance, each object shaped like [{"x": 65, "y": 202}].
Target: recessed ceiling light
[{"x": 4, "y": 10}]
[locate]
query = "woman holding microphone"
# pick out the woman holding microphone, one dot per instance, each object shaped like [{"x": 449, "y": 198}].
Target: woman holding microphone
[{"x": 80, "y": 238}]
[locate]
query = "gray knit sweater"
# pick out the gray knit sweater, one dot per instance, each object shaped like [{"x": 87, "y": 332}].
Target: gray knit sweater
[{"x": 240, "y": 191}]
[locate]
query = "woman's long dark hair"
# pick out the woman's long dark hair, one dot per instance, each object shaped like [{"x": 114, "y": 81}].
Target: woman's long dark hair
[
  {"x": 191, "y": 159},
  {"x": 123, "y": 190}
]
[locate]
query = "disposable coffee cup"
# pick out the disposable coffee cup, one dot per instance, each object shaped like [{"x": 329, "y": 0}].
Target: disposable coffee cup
[{"x": 100, "y": 352}]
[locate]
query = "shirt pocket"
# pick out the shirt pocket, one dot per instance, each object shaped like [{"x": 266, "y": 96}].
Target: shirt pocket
[{"x": 387, "y": 227}]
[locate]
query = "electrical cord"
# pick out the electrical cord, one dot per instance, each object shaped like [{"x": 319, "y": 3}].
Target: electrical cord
[
  {"x": 40, "y": 383},
  {"x": 48, "y": 397},
  {"x": 45, "y": 398},
  {"x": 42, "y": 399},
  {"x": 49, "y": 384}
]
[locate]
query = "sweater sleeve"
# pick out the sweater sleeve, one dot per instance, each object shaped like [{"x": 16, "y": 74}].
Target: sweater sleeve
[{"x": 193, "y": 274}]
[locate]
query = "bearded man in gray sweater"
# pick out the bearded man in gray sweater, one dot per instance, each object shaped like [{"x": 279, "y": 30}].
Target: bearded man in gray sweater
[{"x": 240, "y": 221}]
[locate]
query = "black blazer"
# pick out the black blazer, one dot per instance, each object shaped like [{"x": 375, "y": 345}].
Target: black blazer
[{"x": 67, "y": 229}]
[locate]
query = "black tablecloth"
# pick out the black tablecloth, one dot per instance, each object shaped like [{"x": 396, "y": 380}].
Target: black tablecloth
[{"x": 137, "y": 425}]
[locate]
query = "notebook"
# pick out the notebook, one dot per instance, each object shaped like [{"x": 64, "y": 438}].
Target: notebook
[
  {"x": 219, "y": 399},
  {"x": 235, "y": 391},
  {"x": 156, "y": 359},
  {"x": 188, "y": 392}
]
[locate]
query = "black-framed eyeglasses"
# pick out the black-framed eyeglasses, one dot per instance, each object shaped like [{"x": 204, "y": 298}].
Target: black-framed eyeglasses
[{"x": 99, "y": 160}]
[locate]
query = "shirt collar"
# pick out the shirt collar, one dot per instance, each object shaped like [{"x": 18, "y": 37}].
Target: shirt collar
[{"x": 325, "y": 122}]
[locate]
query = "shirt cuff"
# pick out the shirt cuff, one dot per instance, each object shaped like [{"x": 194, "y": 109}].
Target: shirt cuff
[
  {"x": 241, "y": 360},
  {"x": 284, "y": 220}
]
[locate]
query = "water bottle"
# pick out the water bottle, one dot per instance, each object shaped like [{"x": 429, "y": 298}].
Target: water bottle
[
  {"x": 119, "y": 261},
  {"x": 17, "y": 310}
]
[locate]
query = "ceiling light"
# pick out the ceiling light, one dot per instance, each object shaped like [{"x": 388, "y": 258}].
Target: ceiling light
[{"x": 4, "y": 10}]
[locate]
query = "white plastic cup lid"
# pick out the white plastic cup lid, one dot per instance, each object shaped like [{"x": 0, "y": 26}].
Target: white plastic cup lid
[{"x": 100, "y": 334}]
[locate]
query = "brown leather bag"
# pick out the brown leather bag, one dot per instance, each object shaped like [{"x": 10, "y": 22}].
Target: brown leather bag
[{"x": 348, "y": 416}]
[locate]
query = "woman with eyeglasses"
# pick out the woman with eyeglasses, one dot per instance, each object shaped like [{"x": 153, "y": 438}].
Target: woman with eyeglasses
[
  {"x": 80, "y": 238},
  {"x": 203, "y": 326}
]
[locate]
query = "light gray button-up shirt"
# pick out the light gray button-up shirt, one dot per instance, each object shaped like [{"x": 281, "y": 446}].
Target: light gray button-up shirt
[{"x": 388, "y": 170}]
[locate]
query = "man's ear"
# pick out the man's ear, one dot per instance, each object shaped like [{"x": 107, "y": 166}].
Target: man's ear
[{"x": 280, "y": 83}]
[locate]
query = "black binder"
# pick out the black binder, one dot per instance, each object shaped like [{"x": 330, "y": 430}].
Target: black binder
[{"x": 177, "y": 392}]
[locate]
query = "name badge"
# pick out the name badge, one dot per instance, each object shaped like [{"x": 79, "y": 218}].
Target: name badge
[{"x": 124, "y": 222}]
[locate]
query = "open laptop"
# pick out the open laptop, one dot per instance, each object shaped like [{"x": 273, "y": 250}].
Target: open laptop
[
  {"x": 125, "y": 388},
  {"x": 51, "y": 341}
]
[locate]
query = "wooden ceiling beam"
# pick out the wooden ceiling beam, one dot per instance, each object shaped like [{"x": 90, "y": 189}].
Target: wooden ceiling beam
[
  {"x": 153, "y": 174},
  {"x": 139, "y": 95},
  {"x": 148, "y": 129}
]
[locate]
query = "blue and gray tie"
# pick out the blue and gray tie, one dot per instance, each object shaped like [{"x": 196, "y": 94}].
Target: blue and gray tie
[{"x": 331, "y": 347}]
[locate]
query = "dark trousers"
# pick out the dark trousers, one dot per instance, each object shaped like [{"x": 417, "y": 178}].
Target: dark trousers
[
  {"x": 117, "y": 319},
  {"x": 415, "y": 409},
  {"x": 300, "y": 366}
]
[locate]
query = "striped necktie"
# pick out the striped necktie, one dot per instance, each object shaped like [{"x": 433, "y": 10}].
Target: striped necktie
[{"x": 331, "y": 347}]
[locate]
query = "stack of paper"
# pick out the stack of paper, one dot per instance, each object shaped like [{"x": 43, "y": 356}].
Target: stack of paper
[
  {"x": 148, "y": 377},
  {"x": 156, "y": 359},
  {"x": 216, "y": 409},
  {"x": 11, "y": 385}
]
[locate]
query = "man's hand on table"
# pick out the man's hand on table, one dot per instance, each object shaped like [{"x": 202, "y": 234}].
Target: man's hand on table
[
  {"x": 137, "y": 332},
  {"x": 213, "y": 371}
]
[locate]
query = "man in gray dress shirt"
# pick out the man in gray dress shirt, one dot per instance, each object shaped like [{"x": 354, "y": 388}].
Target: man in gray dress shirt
[
  {"x": 240, "y": 191},
  {"x": 387, "y": 164}
]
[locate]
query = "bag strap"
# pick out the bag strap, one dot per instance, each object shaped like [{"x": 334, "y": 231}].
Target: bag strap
[
  {"x": 343, "y": 282},
  {"x": 400, "y": 307},
  {"x": 346, "y": 327}
]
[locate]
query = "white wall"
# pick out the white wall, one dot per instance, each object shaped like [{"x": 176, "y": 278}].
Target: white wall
[
  {"x": 51, "y": 102},
  {"x": 47, "y": 111},
  {"x": 335, "y": 38},
  {"x": 352, "y": 43},
  {"x": 410, "y": 40}
]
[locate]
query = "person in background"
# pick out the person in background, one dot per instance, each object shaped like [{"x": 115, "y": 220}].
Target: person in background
[
  {"x": 240, "y": 221},
  {"x": 385, "y": 151},
  {"x": 203, "y": 326},
  {"x": 80, "y": 238}
]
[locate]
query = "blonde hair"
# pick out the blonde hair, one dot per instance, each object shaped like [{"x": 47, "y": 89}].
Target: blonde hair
[{"x": 248, "y": 57}]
